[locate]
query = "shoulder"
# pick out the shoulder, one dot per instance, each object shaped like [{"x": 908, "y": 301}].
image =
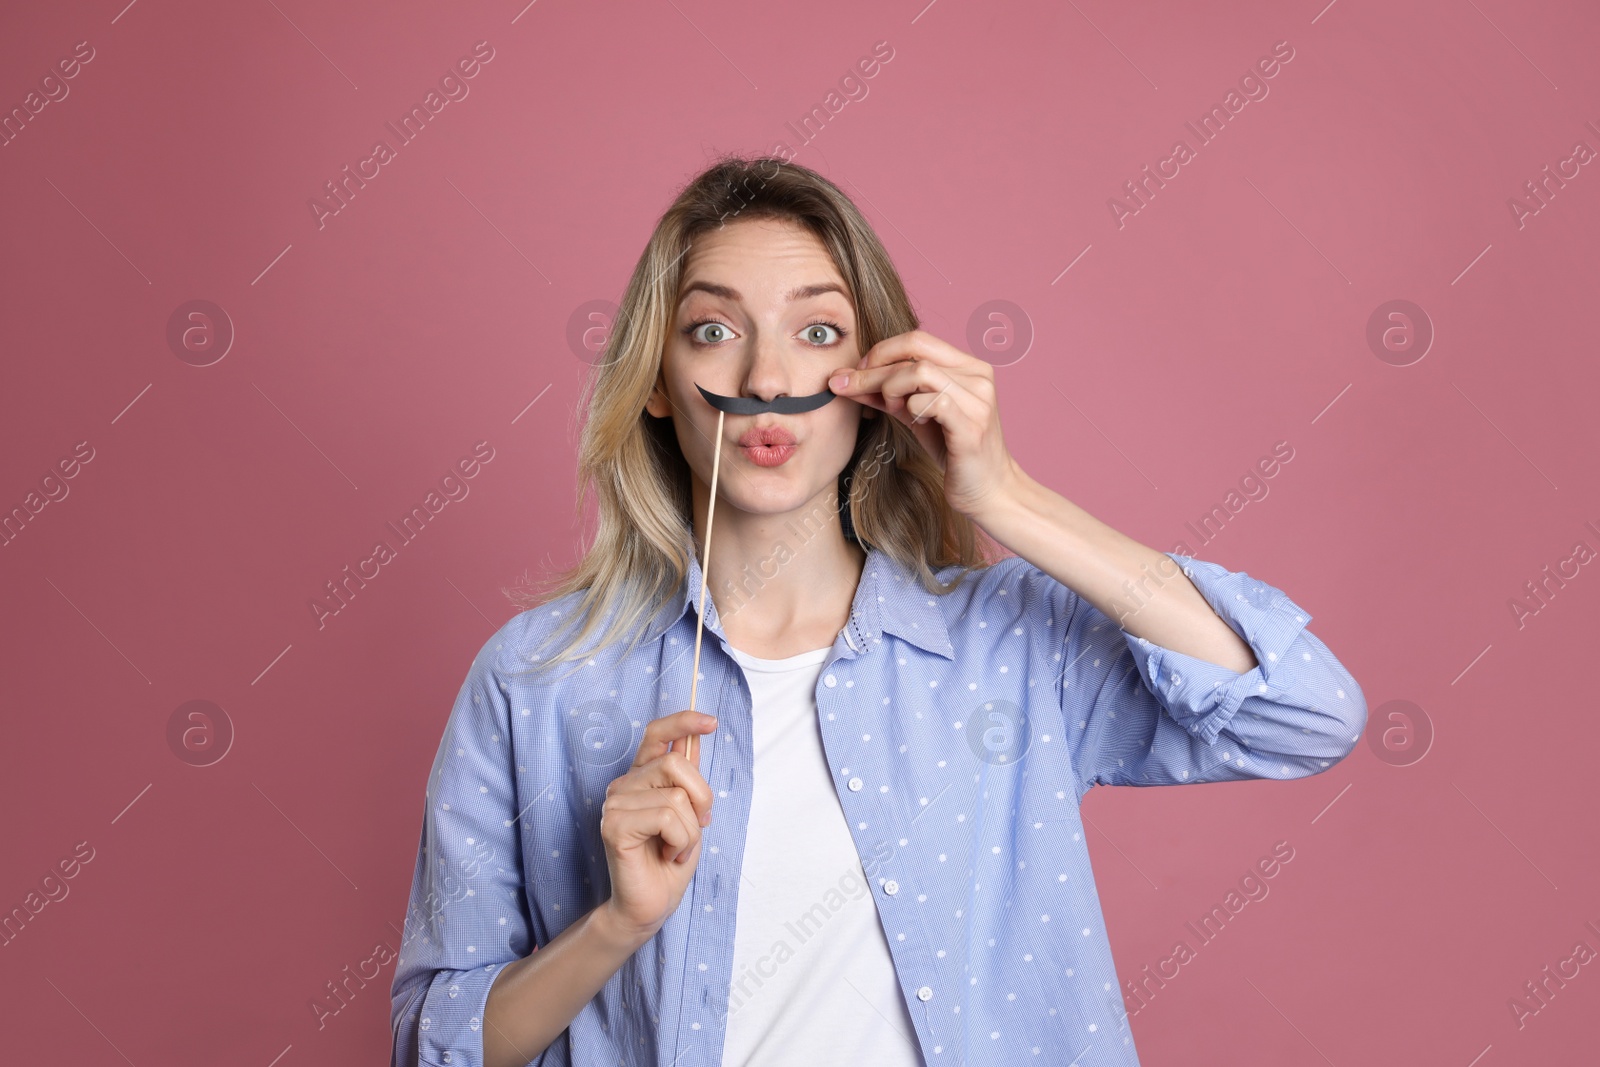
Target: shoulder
[
  {"x": 529, "y": 636},
  {"x": 1009, "y": 589}
]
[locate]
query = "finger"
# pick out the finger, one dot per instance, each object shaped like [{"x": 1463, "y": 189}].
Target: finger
[
  {"x": 921, "y": 345},
  {"x": 674, "y": 797},
  {"x": 675, "y": 770},
  {"x": 680, "y": 804},
  {"x": 660, "y": 734},
  {"x": 671, "y": 770},
  {"x": 870, "y": 400},
  {"x": 862, "y": 383},
  {"x": 920, "y": 390},
  {"x": 679, "y": 818},
  {"x": 636, "y": 817},
  {"x": 669, "y": 826},
  {"x": 923, "y": 408}
]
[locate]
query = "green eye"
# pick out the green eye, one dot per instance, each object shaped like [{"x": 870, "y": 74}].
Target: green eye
[
  {"x": 716, "y": 332},
  {"x": 817, "y": 333}
]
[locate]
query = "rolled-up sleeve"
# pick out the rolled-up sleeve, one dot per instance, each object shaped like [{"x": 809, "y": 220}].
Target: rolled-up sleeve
[
  {"x": 467, "y": 916},
  {"x": 1137, "y": 713}
]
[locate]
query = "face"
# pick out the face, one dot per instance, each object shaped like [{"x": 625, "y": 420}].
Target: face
[{"x": 762, "y": 312}]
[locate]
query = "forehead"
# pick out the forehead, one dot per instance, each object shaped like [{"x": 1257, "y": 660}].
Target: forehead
[{"x": 760, "y": 258}]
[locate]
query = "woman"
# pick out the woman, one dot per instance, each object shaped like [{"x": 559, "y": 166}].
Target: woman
[{"x": 904, "y": 722}]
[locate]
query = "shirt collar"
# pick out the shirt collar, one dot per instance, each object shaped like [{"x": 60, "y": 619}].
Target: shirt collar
[{"x": 889, "y": 599}]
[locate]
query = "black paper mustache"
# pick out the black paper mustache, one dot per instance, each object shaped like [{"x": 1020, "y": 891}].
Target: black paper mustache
[{"x": 782, "y": 405}]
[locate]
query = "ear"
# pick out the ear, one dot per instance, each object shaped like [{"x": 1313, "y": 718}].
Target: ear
[{"x": 657, "y": 403}]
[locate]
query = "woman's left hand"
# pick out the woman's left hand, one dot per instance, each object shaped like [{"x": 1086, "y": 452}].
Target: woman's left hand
[{"x": 947, "y": 398}]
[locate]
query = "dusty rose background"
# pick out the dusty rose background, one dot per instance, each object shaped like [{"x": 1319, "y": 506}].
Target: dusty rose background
[{"x": 229, "y": 458}]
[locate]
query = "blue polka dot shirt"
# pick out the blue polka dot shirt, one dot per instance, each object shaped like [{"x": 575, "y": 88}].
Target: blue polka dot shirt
[{"x": 987, "y": 712}]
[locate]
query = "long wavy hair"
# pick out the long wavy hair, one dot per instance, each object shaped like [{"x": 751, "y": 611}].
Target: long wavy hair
[{"x": 639, "y": 559}]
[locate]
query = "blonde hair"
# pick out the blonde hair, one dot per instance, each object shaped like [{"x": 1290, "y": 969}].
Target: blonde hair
[{"x": 637, "y": 561}]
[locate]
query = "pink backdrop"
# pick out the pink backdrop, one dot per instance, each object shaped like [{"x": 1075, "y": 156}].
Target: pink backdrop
[{"x": 229, "y": 459}]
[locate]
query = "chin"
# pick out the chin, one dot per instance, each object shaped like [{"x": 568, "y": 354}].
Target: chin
[{"x": 783, "y": 500}]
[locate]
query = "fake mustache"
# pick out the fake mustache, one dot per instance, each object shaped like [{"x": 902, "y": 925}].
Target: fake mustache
[{"x": 782, "y": 405}]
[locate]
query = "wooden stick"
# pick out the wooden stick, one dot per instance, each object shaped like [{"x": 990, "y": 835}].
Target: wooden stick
[{"x": 705, "y": 565}]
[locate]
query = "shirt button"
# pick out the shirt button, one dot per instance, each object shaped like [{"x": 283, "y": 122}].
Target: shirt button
[
  {"x": 855, "y": 785},
  {"x": 924, "y": 993},
  {"x": 830, "y": 681},
  {"x": 891, "y": 887},
  {"x": 446, "y": 1057}
]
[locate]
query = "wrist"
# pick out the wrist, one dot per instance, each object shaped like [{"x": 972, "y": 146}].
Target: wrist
[
  {"x": 1006, "y": 509},
  {"x": 615, "y": 933}
]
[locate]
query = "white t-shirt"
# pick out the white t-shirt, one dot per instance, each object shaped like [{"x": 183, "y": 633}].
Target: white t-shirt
[{"x": 813, "y": 982}]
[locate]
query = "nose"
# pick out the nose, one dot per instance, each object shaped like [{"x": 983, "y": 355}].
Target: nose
[{"x": 767, "y": 373}]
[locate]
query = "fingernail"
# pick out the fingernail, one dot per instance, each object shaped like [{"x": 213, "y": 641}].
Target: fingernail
[{"x": 838, "y": 381}]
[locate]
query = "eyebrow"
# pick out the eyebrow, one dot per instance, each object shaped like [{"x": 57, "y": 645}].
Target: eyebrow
[{"x": 729, "y": 293}]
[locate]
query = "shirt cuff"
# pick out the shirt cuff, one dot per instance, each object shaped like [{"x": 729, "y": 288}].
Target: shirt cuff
[
  {"x": 1202, "y": 696},
  {"x": 449, "y": 1023}
]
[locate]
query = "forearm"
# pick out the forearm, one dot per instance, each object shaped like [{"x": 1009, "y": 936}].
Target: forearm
[
  {"x": 534, "y": 999},
  {"x": 1142, "y": 590}
]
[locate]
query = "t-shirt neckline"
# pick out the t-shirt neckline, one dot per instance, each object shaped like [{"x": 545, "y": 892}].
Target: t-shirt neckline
[{"x": 775, "y": 666}]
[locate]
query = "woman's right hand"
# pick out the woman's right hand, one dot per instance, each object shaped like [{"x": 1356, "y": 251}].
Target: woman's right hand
[{"x": 651, "y": 823}]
